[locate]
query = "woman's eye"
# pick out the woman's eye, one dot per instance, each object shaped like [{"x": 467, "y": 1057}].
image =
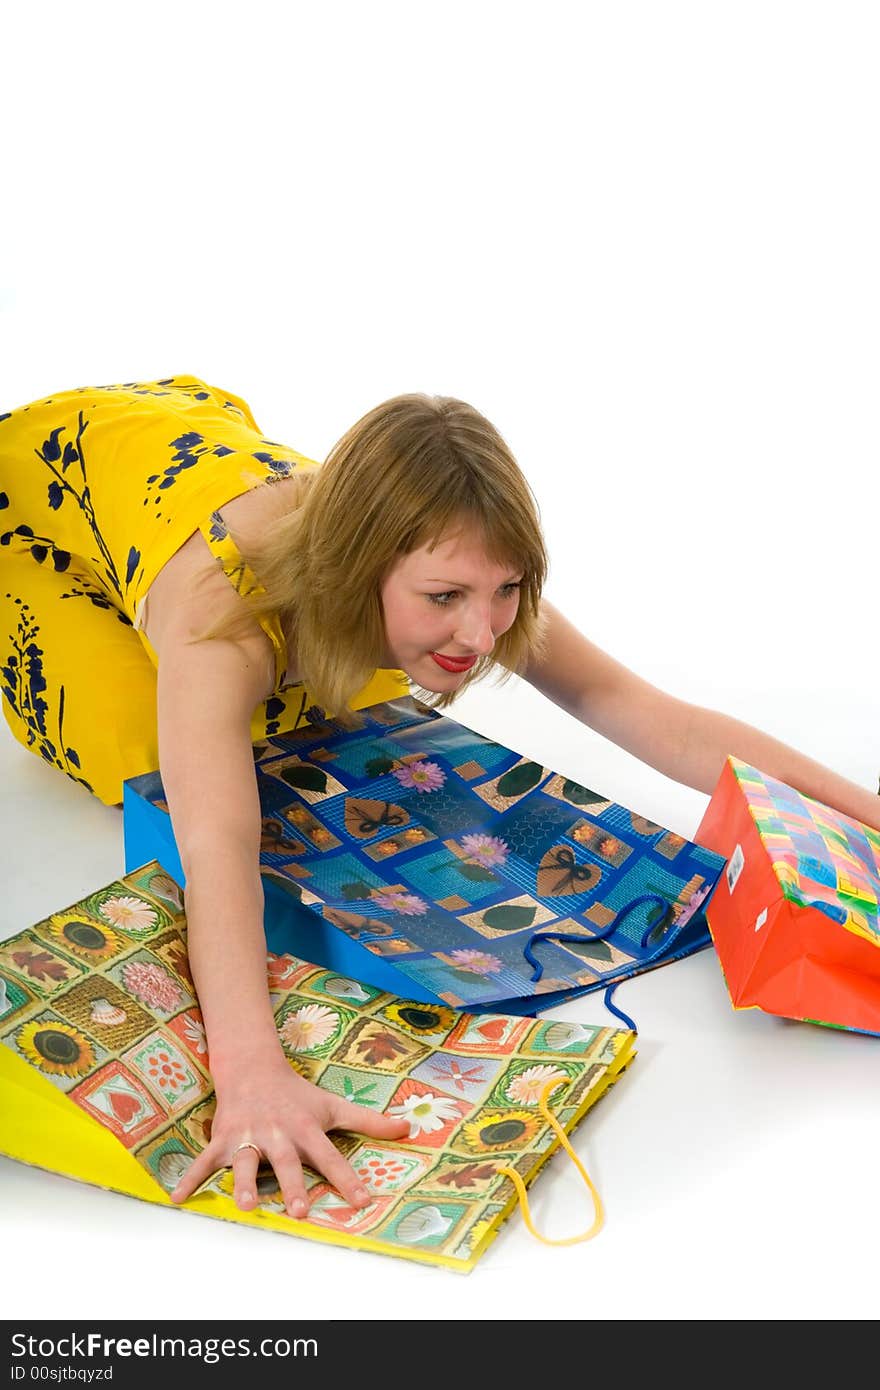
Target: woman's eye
[{"x": 443, "y": 600}]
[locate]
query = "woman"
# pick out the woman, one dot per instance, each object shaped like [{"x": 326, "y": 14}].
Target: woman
[{"x": 176, "y": 586}]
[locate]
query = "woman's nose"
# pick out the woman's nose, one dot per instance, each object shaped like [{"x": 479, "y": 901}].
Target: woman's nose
[{"x": 474, "y": 632}]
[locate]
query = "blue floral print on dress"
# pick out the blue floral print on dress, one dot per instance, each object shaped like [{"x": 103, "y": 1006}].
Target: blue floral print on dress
[{"x": 24, "y": 686}]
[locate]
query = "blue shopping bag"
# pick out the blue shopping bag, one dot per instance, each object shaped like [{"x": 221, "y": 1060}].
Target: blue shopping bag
[{"x": 413, "y": 854}]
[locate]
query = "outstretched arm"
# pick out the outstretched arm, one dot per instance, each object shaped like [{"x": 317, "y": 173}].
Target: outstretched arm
[
  {"x": 685, "y": 742},
  {"x": 207, "y": 693}
]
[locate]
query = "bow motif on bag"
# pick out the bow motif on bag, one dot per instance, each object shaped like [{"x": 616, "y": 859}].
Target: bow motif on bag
[
  {"x": 365, "y": 818},
  {"x": 559, "y": 874}
]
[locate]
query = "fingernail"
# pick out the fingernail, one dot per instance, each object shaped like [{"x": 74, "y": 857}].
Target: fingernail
[
  {"x": 247, "y": 1196},
  {"x": 361, "y": 1196},
  {"x": 297, "y": 1208}
]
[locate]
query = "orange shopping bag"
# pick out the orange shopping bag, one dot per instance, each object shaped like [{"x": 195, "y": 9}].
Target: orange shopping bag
[{"x": 794, "y": 919}]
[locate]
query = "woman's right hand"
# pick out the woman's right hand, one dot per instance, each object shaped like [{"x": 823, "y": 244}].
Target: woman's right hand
[
  {"x": 287, "y": 1118},
  {"x": 207, "y": 693}
]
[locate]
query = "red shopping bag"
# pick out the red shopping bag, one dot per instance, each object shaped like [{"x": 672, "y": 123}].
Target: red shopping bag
[{"x": 794, "y": 919}]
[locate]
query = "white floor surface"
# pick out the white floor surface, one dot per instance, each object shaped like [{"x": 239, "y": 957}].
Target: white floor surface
[{"x": 733, "y": 1157}]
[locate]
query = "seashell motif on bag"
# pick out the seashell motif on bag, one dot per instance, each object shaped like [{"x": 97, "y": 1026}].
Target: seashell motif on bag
[
  {"x": 561, "y": 1035},
  {"x": 105, "y": 1014},
  {"x": 171, "y": 1168},
  {"x": 165, "y": 888},
  {"x": 342, "y": 988},
  {"x": 421, "y": 1224}
]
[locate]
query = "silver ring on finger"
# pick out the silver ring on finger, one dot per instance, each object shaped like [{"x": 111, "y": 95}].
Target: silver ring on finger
[{"x": 248, "y": 1145}]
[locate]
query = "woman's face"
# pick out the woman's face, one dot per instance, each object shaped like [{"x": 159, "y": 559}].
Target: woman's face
[{"x": 444, "y": 607}]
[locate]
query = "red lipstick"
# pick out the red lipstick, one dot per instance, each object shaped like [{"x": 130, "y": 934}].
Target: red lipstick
[{"x": 451, "y": 663}]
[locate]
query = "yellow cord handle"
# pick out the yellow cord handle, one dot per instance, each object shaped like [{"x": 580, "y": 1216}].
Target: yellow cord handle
[{"x": 520, "y": 1186}]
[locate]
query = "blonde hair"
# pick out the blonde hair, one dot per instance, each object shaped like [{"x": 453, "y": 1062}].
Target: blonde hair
[{"x": 413, "y": 470}]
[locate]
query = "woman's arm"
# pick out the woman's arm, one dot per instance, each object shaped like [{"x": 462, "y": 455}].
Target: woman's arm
[
  {"x": 685, "y": 742},
  {"x": 207, "y": 692}
]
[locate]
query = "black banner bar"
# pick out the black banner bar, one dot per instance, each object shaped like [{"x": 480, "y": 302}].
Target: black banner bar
[{"x": 194, "y": 1353}]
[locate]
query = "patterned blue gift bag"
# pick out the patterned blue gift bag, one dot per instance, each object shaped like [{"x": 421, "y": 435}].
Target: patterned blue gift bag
[{"x": 414, "y": 855}]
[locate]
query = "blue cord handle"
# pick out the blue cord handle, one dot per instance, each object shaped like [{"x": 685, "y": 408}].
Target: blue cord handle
[
  {"x": 655, "y": 898},
  {"x": 532, "y": 959},
  {"x": 613, "y": 1009}
]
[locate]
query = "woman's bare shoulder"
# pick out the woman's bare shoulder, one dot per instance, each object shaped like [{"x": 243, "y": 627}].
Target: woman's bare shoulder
[
  {"x": 191, "y": 591},
  {"x": 247, "y": 516},
  {"x": 189, "y": 595}
]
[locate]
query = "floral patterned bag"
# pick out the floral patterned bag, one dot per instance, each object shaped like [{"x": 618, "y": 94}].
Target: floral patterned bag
[
  {"x": 420, "y": 857},
  {"x": 104, "y": 1077}
]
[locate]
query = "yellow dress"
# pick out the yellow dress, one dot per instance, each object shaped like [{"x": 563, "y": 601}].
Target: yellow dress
[{"x": 99, "y": 486}]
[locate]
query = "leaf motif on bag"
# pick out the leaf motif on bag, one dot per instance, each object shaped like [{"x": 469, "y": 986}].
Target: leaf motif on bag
[
  {"x": 379, "y": 1047},
  {"x": 642, "y": 826},
  {"x": 590, "y": 950},
  {"x": 475, "y": 872},
  {"x": 581, "y": 796},
  {"x": 520, "y": 779},
  {"x": 308, "y": 779},
  {"x": 355, "y": 892},
  {"x": 40, "y": 965},
  {"x": 272, "y": 876},
  {"x": 506, "y": 918},
  {"x": 377, "y": 767},
  {"x": 657, "y": 932}
]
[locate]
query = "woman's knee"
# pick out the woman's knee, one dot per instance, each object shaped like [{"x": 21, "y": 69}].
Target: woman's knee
[{"x": 79, "y": 694}]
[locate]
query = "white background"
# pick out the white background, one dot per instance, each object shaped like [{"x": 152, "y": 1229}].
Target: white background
[{"x": 642, "y": 238}]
